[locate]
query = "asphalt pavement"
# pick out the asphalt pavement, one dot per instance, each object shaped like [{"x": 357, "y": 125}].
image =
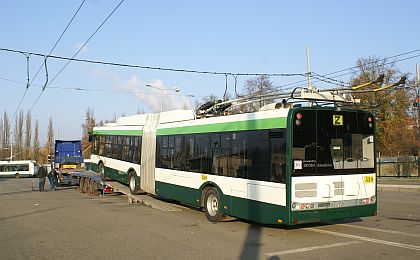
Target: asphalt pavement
[{"x": 65, "y": 224}]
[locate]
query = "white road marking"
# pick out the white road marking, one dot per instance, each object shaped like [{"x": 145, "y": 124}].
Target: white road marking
[
  {"x": 381, "y": 230},
  {"x": 305, "y": 249},
  {"x": 367, "y": 239}
]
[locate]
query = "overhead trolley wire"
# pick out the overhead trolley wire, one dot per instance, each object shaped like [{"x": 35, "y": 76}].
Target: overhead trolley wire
[
  {"x": 47, "y": 84},
  {"x": 319, "y": 77},
  {"x": 84, "y": 44},
  {"x": 157, "y": 68},
  {"x": 332, "y": 78},
  {"x": 28, "y": 84}
]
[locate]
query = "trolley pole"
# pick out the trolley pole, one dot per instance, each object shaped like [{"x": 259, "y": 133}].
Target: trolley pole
[{"x": 308, "y": 65}]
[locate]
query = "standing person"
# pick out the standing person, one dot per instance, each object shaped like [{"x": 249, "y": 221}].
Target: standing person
[
  {"x": 51, "y": 177},
  {"x": 42, "y": 173}
]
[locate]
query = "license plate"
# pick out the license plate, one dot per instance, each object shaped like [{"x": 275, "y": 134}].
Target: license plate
[{"x": 69, "y": 167}]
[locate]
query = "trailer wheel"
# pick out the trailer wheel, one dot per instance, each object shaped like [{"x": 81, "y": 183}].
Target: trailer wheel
[
  {"x": 81, "y": 184},
  {"x": 101, "y": 170},
  {"x": 212, "y": 205},
  {"x": 133, "y": 183},
  {"x": 93, "y": 190},
  {"x": 86, "y": 185}
]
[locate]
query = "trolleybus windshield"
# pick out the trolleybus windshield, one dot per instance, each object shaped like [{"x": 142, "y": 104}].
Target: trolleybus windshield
[{"x": 328, "y": 142}]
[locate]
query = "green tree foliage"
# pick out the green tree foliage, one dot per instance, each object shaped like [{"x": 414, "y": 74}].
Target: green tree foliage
[{"x": 395, "y": 134}]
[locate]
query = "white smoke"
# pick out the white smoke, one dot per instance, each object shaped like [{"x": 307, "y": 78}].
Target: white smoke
[{"x": 149, "y": 97}]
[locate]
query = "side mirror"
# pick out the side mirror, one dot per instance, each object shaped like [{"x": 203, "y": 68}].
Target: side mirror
[{"x": 90, "y": 138}]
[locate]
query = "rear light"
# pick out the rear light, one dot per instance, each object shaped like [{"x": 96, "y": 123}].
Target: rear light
[
  {"x": 370, "y": 120},
  {"x": 374, "y": 213},
  {"x": 373, "y": 199},
  {"x": 298, "y": 116},
  {"x": 302, "y": 206}
]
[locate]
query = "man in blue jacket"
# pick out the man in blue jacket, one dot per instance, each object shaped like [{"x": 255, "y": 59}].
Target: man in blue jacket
[
  {"x": 51, "y": 177},
  {"x": 42, "y": 173}
]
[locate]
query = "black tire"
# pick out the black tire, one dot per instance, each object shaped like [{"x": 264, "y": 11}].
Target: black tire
[
  {"x": 212, "y": 205},
  {"x": 17, "y": 175},
  {"x": 81, "y": 184},
  {"x": 90, "y": 190},
  {"x": 133, "y": 183},
  {"x": 86, "y": 186},
  {"x": 101, "y": 170}
]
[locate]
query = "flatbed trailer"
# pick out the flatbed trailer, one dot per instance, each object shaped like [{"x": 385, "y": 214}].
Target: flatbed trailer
[{"x": 90, "y": 182}]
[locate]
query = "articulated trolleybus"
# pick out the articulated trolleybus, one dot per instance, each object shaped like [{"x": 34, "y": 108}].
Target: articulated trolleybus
[{"x": 284, "y": 164}]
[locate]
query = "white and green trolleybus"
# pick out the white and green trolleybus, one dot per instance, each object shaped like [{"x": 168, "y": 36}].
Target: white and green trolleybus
[{"x": 286, "y": 165}]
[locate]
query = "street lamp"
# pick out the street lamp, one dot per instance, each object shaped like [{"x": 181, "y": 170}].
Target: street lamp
[
  {"x": 161, "y": 93},
  {"x": 188, "y": 100}
]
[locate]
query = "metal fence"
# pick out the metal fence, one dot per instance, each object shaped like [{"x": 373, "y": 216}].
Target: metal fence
[{"x": 403, "y": 166}]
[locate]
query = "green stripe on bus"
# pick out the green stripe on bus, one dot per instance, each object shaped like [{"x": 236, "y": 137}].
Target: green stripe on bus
[
  {"x": 258, "y": 124},
  {"x": 118, "y": 132}
]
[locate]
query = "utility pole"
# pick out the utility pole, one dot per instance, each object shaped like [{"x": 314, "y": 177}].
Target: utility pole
[
  {"x": 418, "y": 98},
  {"x": 418, "y": 116}
]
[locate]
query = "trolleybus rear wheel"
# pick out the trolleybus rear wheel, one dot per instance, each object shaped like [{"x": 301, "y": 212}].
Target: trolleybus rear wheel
[{"x": 133, "y": 183}]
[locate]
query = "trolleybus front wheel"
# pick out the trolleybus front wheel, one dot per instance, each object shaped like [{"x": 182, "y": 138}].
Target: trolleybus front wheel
[{"x": 212, "y": 205}]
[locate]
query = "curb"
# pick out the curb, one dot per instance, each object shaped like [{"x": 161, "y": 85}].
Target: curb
[{"x": 399, "y": 188}]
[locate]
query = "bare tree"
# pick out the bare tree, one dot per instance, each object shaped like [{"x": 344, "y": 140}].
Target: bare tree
[
  {"x": 18, "y": 135},
  {"x": 50, "y": 137},
  {"x": 6, "y": 135},
  {"x": 259, "y": 85},
  {"x": 28, "y": 135},
  {"x": 36, "y": 142},
  {"x": 1, "y": 139},
  {"x": 140, "y": 110},
  {"x": 87, "y": 128}
]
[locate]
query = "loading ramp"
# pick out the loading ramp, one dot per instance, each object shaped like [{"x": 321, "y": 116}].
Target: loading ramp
[{"x": 91, "y": 182}]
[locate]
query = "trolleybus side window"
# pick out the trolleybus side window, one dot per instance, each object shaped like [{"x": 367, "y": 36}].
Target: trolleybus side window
[
  {"x": 125, "y": 148},
  {"x": 256, "y": 154}
]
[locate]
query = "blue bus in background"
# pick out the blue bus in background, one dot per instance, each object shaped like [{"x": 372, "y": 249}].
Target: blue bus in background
[{"x": 67, "y": 158}]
